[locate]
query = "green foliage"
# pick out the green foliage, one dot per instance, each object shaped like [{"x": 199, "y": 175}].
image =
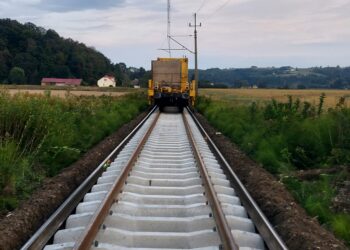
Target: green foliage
[
  {"x": 316, "y": 196},
  {"x": 320, "y": 105},
  {"x": 40, "y": 135},
  {"x": 17, "y": 75},
  {"x": 285, "y": 135},
  {"x": 289, "y": 136},
  {"x": 341, "y": 226}
]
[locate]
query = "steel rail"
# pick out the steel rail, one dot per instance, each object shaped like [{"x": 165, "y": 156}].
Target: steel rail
[
  {"x": 55, "y": 221},
  {"x": 86, "y": 240},
  {"x": 219, "y": 216},
  {"x": 266, "y": 230}
]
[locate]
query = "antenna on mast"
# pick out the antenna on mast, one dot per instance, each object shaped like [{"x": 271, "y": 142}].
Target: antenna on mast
[{"x": 168, "y": 30}]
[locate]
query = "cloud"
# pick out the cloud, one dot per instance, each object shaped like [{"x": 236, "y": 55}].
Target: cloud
[
  {"x": 77, "y": 5},
  {"x": 234, "y": 33}
]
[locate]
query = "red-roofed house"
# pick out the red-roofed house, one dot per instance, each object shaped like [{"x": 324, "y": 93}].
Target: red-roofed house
[
  {"x": 107, "y": 81},
  {"x": 61, "y": 82}
]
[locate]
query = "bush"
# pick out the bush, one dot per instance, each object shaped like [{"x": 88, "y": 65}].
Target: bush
[
  {"x": 40, "y": 135},
  {"x": 310, "y": 139},
  {"x": 291, "y": 136},
  {"x": 316, "y": 197},
  {"x": 17, "y": 76}
]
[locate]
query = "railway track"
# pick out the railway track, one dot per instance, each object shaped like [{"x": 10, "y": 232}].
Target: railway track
[{"x": 168, "y": 187}]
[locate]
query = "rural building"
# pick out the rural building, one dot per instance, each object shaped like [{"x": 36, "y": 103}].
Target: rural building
[
  {"x": 135, "y": 83},
  {"x": 60, "y": 82},
  {"x": 107, "y": 81}
]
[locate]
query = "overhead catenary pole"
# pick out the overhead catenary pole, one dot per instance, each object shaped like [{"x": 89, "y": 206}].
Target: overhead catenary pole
[{"x": 196, "y": 78}]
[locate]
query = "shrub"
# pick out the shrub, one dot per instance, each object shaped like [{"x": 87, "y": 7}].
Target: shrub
[
  {"x": 40, "y": 135},
  {"x": 289, "y": 136}
]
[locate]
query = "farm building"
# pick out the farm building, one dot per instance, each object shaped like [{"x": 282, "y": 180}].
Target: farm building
[
  {"x": 107, "y": 81},
  {"x": 60, "y": 82}
]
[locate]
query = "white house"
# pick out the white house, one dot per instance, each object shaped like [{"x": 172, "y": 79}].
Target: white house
[{"x": 107, "y": 81}]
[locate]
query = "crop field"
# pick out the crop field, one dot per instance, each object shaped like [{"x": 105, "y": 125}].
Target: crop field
[
  {"x": 304, "y": 142},
  {"x": 42, "y": 134},
  {"x": 247, "y": 96},
  {"x": 67, "y": 91}
]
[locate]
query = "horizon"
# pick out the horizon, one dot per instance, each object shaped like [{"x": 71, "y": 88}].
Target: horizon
[{"x": 234, "y": 34}]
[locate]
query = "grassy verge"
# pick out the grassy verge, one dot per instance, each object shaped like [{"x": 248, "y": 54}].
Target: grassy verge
[
  {"x": 40, "y": 135},
  {"x": 291, "y": 136}
]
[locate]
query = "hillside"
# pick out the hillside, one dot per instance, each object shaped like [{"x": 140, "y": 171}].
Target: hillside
[
  {"x": 283, "y": 77},
  {"x": 28, "y": 53}
]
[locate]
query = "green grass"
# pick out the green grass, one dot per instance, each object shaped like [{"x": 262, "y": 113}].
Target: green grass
[
  {"x": 291, "y": 136},
  {"x": 41, "y": 135},
  {"x": 316, "y": 197}
]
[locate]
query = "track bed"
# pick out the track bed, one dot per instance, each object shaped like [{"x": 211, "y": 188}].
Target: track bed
[{"x": 165, "y": 190}]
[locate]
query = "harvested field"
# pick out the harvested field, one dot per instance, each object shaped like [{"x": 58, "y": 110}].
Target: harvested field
[
  {"x": 64, "y": 93},
  {"x": 61, "y": 91},
  {"x": 246, "y": 96}
]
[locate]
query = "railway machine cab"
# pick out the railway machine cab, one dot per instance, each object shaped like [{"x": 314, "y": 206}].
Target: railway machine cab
[{"x": 169, "y": 85}]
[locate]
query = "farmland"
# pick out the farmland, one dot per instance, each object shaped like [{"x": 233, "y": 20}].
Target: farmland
[
  {"x": 42, "y": 134},
  {"x": 301, "y": 137},
  {"x": 67, "y": 91},
  {"x": 247, "y": 96}
]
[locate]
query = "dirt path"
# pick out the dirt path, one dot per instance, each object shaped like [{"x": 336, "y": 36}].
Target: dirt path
[
  {"x": 290, "y": 220},
  {"x": 17, "y": 227}
]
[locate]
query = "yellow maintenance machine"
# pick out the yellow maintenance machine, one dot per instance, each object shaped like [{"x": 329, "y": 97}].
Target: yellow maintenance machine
[{"x": 169, "y": 85}]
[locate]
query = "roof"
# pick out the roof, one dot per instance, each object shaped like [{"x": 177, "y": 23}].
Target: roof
[
  {"x": 63, "y": 80},
  {"x": 109, "y": 77}
]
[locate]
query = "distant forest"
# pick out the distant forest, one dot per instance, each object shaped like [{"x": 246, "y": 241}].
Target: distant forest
[
  {"x": 28, "y": 53},
  {"x": 283, "y": 77}
]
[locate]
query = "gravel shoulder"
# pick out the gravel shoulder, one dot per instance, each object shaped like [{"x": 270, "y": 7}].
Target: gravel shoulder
[{"x": 296, "y": 228}]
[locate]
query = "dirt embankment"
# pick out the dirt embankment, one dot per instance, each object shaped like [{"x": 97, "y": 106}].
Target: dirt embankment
[
  {"x": 290, "y": 220},
  {"x": 18, "y": 226}
]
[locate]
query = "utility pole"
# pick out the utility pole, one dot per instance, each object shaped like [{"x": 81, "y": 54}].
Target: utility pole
[{"x": 195, "y": 51}]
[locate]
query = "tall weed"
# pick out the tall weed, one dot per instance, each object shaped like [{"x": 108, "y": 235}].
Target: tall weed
[
  {"x": 292, "y": 136},
  {"x": 40, "y": 135}
]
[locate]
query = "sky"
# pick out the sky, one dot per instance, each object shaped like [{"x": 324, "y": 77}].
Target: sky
[{"x": 234, "y": 33}]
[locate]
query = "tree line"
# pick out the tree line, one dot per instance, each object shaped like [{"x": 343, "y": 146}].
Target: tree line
[
  {"x": 282, "y": 77},
  {"x": 28, "y": 53}
]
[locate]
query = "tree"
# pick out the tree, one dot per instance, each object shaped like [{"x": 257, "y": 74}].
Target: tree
[
  {"x": 17, "y": 75},
  {"x": 61, "y": 71}
]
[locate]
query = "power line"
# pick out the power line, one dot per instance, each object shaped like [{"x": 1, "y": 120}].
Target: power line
[
  {"x": 222, "y": 6},
  {"x": 217, "y": 9},
  {"x": 201, "y": 6}
]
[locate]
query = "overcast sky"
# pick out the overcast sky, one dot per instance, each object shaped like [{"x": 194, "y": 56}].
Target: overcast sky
[{"x": 234, "y": 33}]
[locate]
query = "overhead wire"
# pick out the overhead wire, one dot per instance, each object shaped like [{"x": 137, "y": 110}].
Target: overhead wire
[
  {"x": 222, "y": 6},
  {"x": 217, "y": 10},
  {"x": 202, "y": 5}
]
